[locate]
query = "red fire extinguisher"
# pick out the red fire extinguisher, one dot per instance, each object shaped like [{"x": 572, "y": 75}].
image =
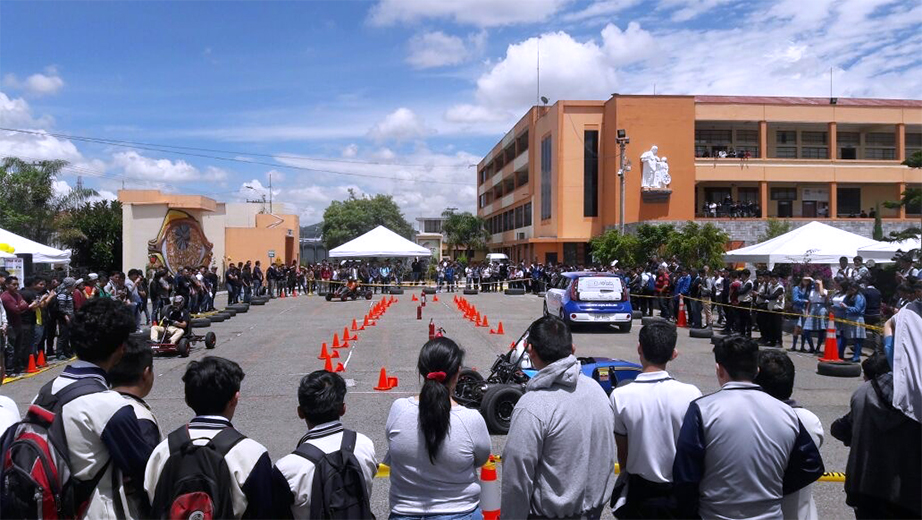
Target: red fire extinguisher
[
  {"x": 431, "y": 329},
  {"x": 419, "y": 312}
]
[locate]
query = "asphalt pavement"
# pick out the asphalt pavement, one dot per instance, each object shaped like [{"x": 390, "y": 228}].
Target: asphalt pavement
[{"x": 276, "y": 344}]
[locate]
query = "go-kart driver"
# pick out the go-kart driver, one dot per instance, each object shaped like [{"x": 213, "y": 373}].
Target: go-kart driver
[
  {"x": 351, "y": 285},
  {"x": 174, "y": 324}
]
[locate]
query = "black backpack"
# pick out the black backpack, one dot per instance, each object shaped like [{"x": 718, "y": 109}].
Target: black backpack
[
  {"x": 37, "y": 479},
  {"x": 194, "y": 483},
  {"x": 338, "y": 490}
]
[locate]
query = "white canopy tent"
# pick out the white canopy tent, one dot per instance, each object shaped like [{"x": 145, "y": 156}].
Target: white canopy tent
[
  {"x": 815, "y": 242},
  {"x": 884, "y": 251},
  {"x": 379, "y": 242},
  {"x": 41, "y": 254}
]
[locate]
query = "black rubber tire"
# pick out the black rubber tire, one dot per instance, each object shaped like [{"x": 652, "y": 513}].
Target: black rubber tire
[
  {"x": 637, "y": 315},
  {"x": 328, "y": 296},
  {"x": 470, "y": 292},
  {"x": 715, "y": 338},
  {"x": 231, "y": 312},
  {"x": 217, "y": 318},
  {"x": 210, "y": 340},
  {"x": 514, "y": 292},
  {"x": 646, "y": 320},
  {"x": 182, "y": 347},
  {"x": 428, "y": 290},
  {"x": 625, "y": 327},
  {"x": 239, "y": 307},
  {"x": 497, "y": 405},
  {"x": 701, "y": 333},
  {"x": 257, "y": 302},
  {"x": 226, "y": 314},
  {"x": 198, "y": 323},
  {"x": 838, "y": 369},
  {"x": 139, "y": 336},
  {"x": 396, "y": 290}
]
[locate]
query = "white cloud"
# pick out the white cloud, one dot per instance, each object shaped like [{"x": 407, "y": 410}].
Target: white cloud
[
  {"x": 351, "y": 150},
  {"x": 474, "y": 114},
  {"x": 136, "y": 165},
  {"x": 16, "y": 112},
  {"x": 61, "y": 187},
  {"x": 436, "y": 49},
  {"x": 599, "y": 9},
  {"x": 400, "y": 125},
  {"x": 277, "y": 176},
  {"x": 37, "y": 84},
  {"x": 482, "y": 13},
  {"x": 684, "y": 10}
]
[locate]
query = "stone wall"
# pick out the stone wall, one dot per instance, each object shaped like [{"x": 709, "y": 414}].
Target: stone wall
[{"x": 749, "y": 230}]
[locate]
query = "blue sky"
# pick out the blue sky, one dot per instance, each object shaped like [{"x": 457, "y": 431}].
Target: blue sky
[{"x": 393, "y": 96}]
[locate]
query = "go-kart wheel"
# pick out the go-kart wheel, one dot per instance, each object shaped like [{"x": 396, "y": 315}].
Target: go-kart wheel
[
  {"x": 239, "y": 307},
  {"x": 467, "y": 390},
  {"x": 344, "y": 297},
  {"x": 210, "y": 340},
  {"x": 354, "y": 296},
  {"x": 329, "y": 297},
  {"x": 182, "y": 347},
  {"x": 230, "y": 312},
  {"x": 368, "y": 295},
  {"x": 259, "y": 301},
  {"x": 496, "y": 408},
  {"x": 198, "y": 323}
]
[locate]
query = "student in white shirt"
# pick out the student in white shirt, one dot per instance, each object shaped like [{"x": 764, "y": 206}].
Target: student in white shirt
[{"x": 648, "y": 417}]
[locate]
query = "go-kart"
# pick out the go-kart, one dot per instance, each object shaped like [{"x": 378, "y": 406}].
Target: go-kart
[
  {"x": 182, "y": 347},
  {"x": 343, "y": 292},
  {"x": 497, "y": 395}
]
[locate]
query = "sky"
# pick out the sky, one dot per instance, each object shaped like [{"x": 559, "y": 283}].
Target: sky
[{"x": 401, "y": 97}]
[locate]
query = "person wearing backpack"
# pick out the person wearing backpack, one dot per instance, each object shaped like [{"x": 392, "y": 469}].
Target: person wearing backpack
[
  {"x": 330, "y": 461},
  {"x": 207, "y": 469},
  {"x": 76, "y": 414},
  {"x": 133, "y": 379},
  {"x": 436, "y": 445}
]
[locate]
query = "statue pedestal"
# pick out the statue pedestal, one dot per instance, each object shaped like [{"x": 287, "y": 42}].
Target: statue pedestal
[{"x": 655, "y": 194}]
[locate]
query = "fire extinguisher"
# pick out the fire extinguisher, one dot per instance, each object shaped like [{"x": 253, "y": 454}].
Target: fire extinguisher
[
  {"x": 419, "y": 312},
  {"x": 431, "y": 329},
  {"x": 439, "y": 333},
  {"x": 423, "y": 300}
]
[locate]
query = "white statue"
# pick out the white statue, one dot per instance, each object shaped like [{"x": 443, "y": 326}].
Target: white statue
[{"x": 655, "y": 170}]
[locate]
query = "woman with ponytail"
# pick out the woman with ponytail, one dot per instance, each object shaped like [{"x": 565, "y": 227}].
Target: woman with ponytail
[{"x": 436, "y": 445}]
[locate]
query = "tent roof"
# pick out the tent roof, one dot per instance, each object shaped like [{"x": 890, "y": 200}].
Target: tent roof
[
  {"x": 382, "y": 242},
  {"x": 816, "y": 242},
  {"x": 41, "y": 254},
  {"x": 884, "y": 251}
]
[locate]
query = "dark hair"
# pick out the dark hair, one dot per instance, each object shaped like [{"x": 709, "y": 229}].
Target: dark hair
[
  {"x": 437, "y": 355},
  {"x": 550, "y": 338},
  {"x": 657, "y": 342},
  {"x": 739, "y": 356},
  {"x": 134, "y": 271},
  {"x": 99, "y": 328},
  {"x": 776, "y": 374},
  {"x": 11, "y": 279},
  {"x": 211, "y": 384},
  {"x": 321, "y": 395},
  {"x": 130, "y": 368},
  {"x": 875, "y": 365}
]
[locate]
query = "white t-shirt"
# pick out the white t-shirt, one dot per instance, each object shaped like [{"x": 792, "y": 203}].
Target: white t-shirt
[
  {"x": 9, "y": 413},
  {"x": 649, "y": 412},
  {"x": 800, "y": 504}
]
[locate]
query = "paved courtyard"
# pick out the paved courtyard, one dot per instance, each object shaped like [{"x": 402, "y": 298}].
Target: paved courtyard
[{"x": 278, "y": 343}]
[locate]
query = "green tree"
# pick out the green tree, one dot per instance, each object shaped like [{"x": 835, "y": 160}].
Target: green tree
[
  {"x": 94, "y": 235},
  {"x": 911, "y": 199},
  {"x": 697, "y": 246},
  {"x": 914, "y": 160},
  {"x": 612, "y": 245},
  {"x": 878, "y": 233},
  {"x": 774, "y": 228},
  {"x": 652, "y": 240},
  {"x": 350, "y": 218},
  {"x": 464, "y": 231}
]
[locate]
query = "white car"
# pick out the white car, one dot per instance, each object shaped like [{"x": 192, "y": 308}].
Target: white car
[{"x": 588, "y": 297}]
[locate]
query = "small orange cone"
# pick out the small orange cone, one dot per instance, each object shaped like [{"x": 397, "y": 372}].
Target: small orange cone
[
  {"x": 499, "y": 329},
  {"x": 324, "y": 353},
  {"x": 41, "y": 358},
  {"x": 340, "y": 368},
  {"x": 485, "y": 322},
  {"x": 365, "y": 323},
  {"x": 490, "y": 492},
  {"x": 384, "y": 382},
  {"x": 681, "y": 321},
  {"x": 335, "y": 340},
  {"x": 832, "y": 348},
  {"x": 478, "y": 323},
  {"x": 355, "y": 325},
  {"x": 392, "y": 381},
  {"x": 415, "y": 299},
  {"x": 328, "y": 366},
  {"x": 31, "y": 369},
  {"x": 435, "y": 297},
  {"x": 346, "y": 335}
]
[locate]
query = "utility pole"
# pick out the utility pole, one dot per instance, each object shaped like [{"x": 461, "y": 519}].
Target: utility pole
[{"x": 623, "y": 168}]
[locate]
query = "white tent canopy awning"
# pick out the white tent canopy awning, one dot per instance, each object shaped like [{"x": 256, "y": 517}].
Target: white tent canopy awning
[
  {"x": 379, "y": 242},
  {"x": 885, "y": 251},
  {"x": 41, "y": 254},
  {"x": 815, "y": 242}
]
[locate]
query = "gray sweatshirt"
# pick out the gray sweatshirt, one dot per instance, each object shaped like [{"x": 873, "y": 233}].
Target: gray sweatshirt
[{"x": 559, "y": 459}]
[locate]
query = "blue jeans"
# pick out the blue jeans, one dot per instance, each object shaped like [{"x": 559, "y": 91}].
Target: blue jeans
[{"x": 476, "y": 514}]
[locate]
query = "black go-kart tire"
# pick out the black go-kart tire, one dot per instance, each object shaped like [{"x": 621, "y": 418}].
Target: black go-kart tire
[
  {"x": 396, "y": 290},
  {"x": 231, "y": 312},
  {"x": 345, "y": 297},
  {"x": 198, "y": 323},
  {"x": 368, "y": 295},
  {"x": 625, "y": 327},
  {"x": 518, "y": 291},
  {"x": 210, "y": 340},
  {"x": 838, "y": 369},
  {"x": 226, "y": 314},
  {"x": 467, "y": 377},
  {"x": 258, "y": 302},
  {"x": 328, "y": 297},
  {"x": 217, "y": 318},
  {"x": 470, "y": 292},
  {"x": 428, "y": 290},
  {"x": 497, "y": 405},
  {"x": 258, "y": 299},
  {"x": 701, "y": 333},
  {"x": 646, "y": 320},
  {"x": 239, "y": 307},
  {"x": 717, "y": 338},
  {"x": 636, "y": 315},
  {"x": 182, "y": 347}
]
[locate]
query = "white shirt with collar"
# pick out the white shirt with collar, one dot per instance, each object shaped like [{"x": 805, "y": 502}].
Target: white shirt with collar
[
  {"x": 649, "y": 412},
  {"x": 9, "y": 413}
]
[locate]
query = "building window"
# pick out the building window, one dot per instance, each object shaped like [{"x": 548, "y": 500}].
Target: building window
[
  {"x": 591, "y": 173},
  {"x": 509, "y": 185},
  {"x": 849, "y": 200},
  {"x": 432, "y": 226},
  {"x": 747, "y": 136},
  {"x": 569, "y": 254},
  {"x": 712, "y": 136},
  {"x": 527, "y": 214},
  {"x": 748, "y": 195},
  {"x": 521, "y": 178},
  {"x": 880, "y": 139},
  {"x": 913, "y": 140},
  {"x": 847, "y": 138},
  {"x": 786, "y": 136},
  {"x": 784, "y": 193},
  {"x": 882, "y": 154},
  {"x": 546, "y": 178},
  {"x": 482, "y": 201},
  {"x": 813, "y": 137},
  {"x": 786, "y": 152},
  {"x": 519, "y": 217},
  {"x": 814, "y": 152}
]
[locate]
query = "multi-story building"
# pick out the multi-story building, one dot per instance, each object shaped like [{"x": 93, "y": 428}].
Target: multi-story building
[
  {"x": 552, "y": 183},
  {"x": 429, "y": 235}
]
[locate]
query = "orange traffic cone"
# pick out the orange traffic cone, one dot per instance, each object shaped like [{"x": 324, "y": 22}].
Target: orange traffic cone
[
  {"x": 384, "y": 383},
  {"x": 31, "y": 369},
  {"x": 478, "y": 323},
  {"x": 681, "y": 321},
  {"x": 328, "y": 366},
  {"x": 294, "y": 293},
  {"x": 324, "y": 352},
  {"x": 485, "y": 322},
  {"x": 355, "y": 325},
  {"x": 414, "y": 298},
  {"x": 832, "y": 347},
  {"x": 365, "y": 323},
  {"x": 499, "y": 329},
  {"x": 283, "y": 295},
  {"x": 340, "y": 368},
  {"x": 346, "y": 335},
  {"x": 435, "y": 297},
  {"x": 41, "y": 358},
  {"x": 489, "y": 491},
  {"x": 335, "y": 340}
]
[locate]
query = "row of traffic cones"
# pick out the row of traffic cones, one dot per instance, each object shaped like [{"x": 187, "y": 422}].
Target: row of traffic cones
[
  {"x": 470, "y": 312},
  {"x": 35, "y": 364}
]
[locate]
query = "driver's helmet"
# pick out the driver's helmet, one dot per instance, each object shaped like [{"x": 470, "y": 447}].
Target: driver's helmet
[{"x": 177, "y": 301}]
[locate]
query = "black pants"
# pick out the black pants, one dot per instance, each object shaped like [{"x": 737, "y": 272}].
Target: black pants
[
  {"x": 774, "y": 321},
  {"x": 647, "y": 499},
  {"x": 665, "y": 307},
  {"x": 11, "y": 352},
  {"x": 64, "y": 348}
]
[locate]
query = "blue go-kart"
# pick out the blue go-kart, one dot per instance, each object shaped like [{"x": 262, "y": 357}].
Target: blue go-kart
[{"x": 496, "y": 395}]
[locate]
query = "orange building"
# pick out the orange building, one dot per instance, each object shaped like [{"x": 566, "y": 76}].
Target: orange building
[{"x": 552, "y": 184}]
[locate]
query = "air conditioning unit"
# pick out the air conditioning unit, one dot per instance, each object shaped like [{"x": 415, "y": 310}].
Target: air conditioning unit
[
  {"x": 520, "y": 236},
  {"x": 291, "y": 233}
]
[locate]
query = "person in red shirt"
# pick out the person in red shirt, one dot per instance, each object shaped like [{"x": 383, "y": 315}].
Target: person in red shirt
[
  {"x": 79, "y": 295},
  {"x": 16, "y": 354},
  {"x": 733, "y": 311}
]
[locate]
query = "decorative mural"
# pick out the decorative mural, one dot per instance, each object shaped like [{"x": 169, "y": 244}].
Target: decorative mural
[{"x": 180, "y": 243}]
